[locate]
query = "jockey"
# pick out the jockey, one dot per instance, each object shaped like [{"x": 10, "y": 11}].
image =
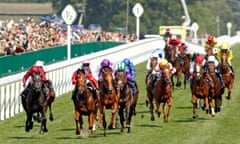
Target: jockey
[
  {"x": 198, "y": 59},
  {"x": 159, "y": 55},
  {"x": 167, "y": 35},
  {"x": 213, "y": 59},
  {"x": 173, "y": 43},
  {"x": 91, "y": 80},
  {"x": 226, "y": 49},
  {"x": 37, "y": 67},
  {"x": 164, "y": 63},
  {"x": 104, "y": 64},
  {"x": 211, "y": 42},
  {"x": 131, "y": 79},
  {"x": 183, "y": 46}
]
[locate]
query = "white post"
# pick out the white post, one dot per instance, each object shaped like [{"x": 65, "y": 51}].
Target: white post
[
  {"x": 138, "y": 27},
  {"x": 69, "y": 42},
  {"x": 229, "y": 26}
]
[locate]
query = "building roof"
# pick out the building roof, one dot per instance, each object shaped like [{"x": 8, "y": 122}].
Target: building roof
[{"x": 26, "y": 8}]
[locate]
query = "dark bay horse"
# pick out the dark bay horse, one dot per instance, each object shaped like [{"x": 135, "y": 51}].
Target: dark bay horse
[
  {"x": 227, "y": 76},
  {"x": 199, "y": 89},
  {"x": 125, "y": 100},
  {"x": 108, "y": 98},
  {"x": 215, "y": 90},
  {"x": 161, "y": 93},
  {"x": 149, "y": 77},
  {"x": 36, "y": 102},
  {"x": 182, "y": 65},
  {"x": 84, "y": 103}
]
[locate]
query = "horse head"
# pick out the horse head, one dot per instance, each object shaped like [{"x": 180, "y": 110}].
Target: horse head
[
  {"x": 81, "y": 81},
  {"x": 37, "y": 81},
  {"x": 166, "y": 74},
  {"x": 107, "y": 80},
  {"x": 224, "y": 66},
  {"x": 121, "y": 79},
  {"x": 198, "y": 71}
]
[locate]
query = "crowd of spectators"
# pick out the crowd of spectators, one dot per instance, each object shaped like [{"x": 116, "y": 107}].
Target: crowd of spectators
[{"x": 28, "y": 35}]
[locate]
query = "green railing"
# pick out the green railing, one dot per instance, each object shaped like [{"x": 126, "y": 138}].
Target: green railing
[{"x": 21, "y": 62}]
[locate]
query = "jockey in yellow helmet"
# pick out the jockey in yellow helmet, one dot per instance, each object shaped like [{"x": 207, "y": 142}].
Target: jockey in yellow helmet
[{"x": 226, "y": 49}]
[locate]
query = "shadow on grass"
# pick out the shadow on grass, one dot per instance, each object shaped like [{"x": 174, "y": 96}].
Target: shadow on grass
[
  {"x": 149, "y": 125},
  {"x": 21, "y": 137},
  {"x": 183, "y": 107},
  {"x": 191, "y": 120},
  {"x": 68, "y": 129}
]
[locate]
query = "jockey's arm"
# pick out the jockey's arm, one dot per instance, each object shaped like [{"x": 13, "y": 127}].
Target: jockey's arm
[{"x": 148, "y": 66}]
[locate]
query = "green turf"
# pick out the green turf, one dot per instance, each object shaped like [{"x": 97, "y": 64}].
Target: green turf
[{"x": 181, "y": 128}]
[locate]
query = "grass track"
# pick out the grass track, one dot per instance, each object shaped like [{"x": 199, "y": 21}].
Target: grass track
[{"x": 181, "y": 128}]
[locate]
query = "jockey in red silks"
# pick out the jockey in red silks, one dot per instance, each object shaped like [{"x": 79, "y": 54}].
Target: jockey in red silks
[
  {"x": 38, "y": 67},
  {"x": 172, "y": 44},
  {"x": 92, "y": 82}
]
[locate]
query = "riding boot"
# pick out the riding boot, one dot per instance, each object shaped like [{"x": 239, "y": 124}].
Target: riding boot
[
  {"x": 25, "y": 91},
  {"x": 232, "y": 72},
  {"x": 45, "y": 90},
  {"x": 220, "y": 79},
  {"x": 93, "y": 89},
  {"x": 74, "y": 92},
  {"x": 154, "y": 79}
]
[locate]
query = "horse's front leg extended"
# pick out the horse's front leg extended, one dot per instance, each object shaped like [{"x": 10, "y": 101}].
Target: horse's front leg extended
[
  {"x": 77, "y": 116},
  {"x": 128, "y": 116},
  {"x": 114, "y": 110},
  {"x": 29, "y": 122},
  {"x": 121, "y": 115},
  {"x": 158, "y": 109},
  {"x": 194, "y": 102},
  {"x": 151, "y": 108},
  {"x": 43, "y": 122}
]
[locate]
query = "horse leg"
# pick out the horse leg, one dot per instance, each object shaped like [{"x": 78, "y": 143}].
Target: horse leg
[
  {"x": 194, "y": 102},
  {"x": 43, "y": 127},
  {"x": 114, "y": 111},
  {"x": 151, "y": 109},
  {"x": 50, "y": 100},
  {"x": 169, "y": 104},
  {"x": 212, "y": 108},
  {"x": 128, "y": 116},
  {"x": 120, "y": 112},
  {"x": 206, "y": 104},
  {"x": 230, "y": 86},
  {"x": 29, "y": 123},
  {"x": 77, "y": 116},
  {"x": 185, "y": 81},
  {"x": 104, "y": 124},
  {"x": 158, "y": 110}
]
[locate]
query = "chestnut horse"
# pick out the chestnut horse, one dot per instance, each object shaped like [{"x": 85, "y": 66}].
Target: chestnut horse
[
  {"x": 227, "y": 76},
  {"x": 125, "y": 99},
  {"x": 199, "y": 89},
  {"x": 84, "y": 103},
  {"x": 215, "y": 90},
  {"x": 162, "y": 93},
  {"x": 149, "y": 77},
  {"x": 108, "y": 98},
  {"x": 36, "y": 102},
  {"x": 182, "y": 65}
]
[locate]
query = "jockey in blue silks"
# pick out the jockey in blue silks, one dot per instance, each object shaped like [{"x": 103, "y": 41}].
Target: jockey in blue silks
[{"x": 132, "y": 75}]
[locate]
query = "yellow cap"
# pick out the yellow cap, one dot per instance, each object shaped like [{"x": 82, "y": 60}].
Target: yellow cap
[
  {"x": 225, "y": 46},
  {"x": 164, "y": 62}
]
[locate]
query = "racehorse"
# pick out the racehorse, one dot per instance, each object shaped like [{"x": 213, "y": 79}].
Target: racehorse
[
  {"x": 84, "y": 103},
  {"x": 199, "y": 89},
  {"x": 50, "y": 99},
  {"x": 149, "y": 77},
  {"x": 125, "y": 99},
  {"x": 35, "y": 102},
  {"x": 227, "y": 76},
  {"x": 162, "y": 93},
  {"x": 108, "y": 98},
  {"x": 215, "y": 90},
  {"x": 182, "y": 65}
]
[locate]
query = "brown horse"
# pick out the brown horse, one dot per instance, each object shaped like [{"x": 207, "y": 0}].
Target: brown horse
[
  {"x": 149, "y": 77},
  {"x": 162, "y": 93},
  {"x": 50, "y": 99},
  {"x": 215, "y": 90},
  {"x": 227, "y": 76},
  {"x": 108, "y": 98},
  {"x": 125, "y": 100},
  {"x": 84, "y": 103},
  {"x": 199, "y": 89},
  {"x": 182, "y": 65}
]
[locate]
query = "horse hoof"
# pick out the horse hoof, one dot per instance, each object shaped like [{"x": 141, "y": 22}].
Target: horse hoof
[
  {"x": 152, "y": 118},
  {"x": 45, "y": 130},
  {"x": 51, "y": 118},
  {"x": 111, "y": 127},
  {"x": 77, "y": 132},
  {"x": 146, "y": 103}
]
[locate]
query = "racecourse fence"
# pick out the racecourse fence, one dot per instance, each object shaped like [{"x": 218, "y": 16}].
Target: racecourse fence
[{"x": 60, "y": 73}]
